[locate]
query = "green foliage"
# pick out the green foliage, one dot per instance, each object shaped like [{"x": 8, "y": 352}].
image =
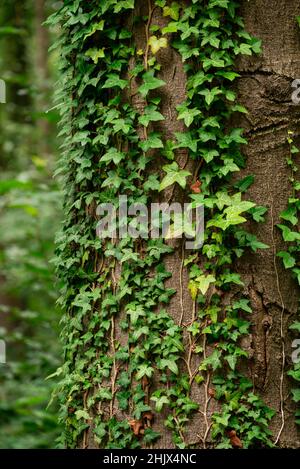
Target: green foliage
[
  {"x": 243, "y": 412},
  {"x": 29, "y": 216},
  {"x": 105, "y": 154},
  {"x": 29, "y": 318},
  {"x": 291, "y": 236},
  {"x": 213, "y": 35}
]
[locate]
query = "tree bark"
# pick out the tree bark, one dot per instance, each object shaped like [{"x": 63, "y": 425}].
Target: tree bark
[{"x": 265, "y": 89}]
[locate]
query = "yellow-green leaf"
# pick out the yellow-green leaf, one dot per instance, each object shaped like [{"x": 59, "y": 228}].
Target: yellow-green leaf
[{"x": 157, "y": 43}]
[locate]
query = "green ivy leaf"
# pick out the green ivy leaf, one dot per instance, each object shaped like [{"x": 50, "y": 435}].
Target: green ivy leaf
[
  {"x": 171, "y": 364},
  {"x": 144, "y": 370},
  {"x": 150, "y": 82},
  {"x": 160, "y": 401},
  {"x": 187, "y": 114},
  {"x": 204, "y": 282},
  {"x": 174, "y": 174},
  {"x": 154, "y": 141},
  {"x": 288, "y": 234},
  {"x": 186, "y": 140},
  {"x": 150, "y": 115},
  {"x": 296, "y": 395},
  {"x": 123, "y": 5},
  {"x": 210, "y": 95},
  {"x": 288, "y": 260},
  {"x": 82, "y": 414},
  {"x": 172, "y": 11},
  {"x": 114, "y": 81},
  {"x": 95, "y": 54}
]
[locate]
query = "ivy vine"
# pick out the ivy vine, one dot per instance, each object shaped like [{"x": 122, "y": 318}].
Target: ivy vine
[
  {"x": 291, "y": 237},
  {"x": 117, "y": 332}
]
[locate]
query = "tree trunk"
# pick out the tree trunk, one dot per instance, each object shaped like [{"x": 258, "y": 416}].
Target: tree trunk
[{"x": 264, "y": 87}]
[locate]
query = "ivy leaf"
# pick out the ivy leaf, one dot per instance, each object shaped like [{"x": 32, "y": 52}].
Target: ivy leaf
[
  {"x": 193, "y": 287},
  {"x": 114, "y": 81},
  {"x": 289, "y": 235},
  {"x": 208, "y": 155},
  {"x": 152, "y": 183},
  {"x": 244, "y": 49},
  {"x": 96, "y": 27},
  {"x": 150, "y": 436},
  {"x": 290, "y": 214},
  {"x": 214, "y": 60},
  {"x": 296, "y": 325},
  {"x": 204, "y": 281},
  {"x": 235, "y": 136},
  {"x": 255, "y": 45},
  {"x": 113, "y": 155},
  {"x": 186, "y": 140},
  {"x": 157, "y": 43},
  {"x": 144, "y": 370},
  {"x": 198, "y": 79},
  {"x": 153, "y": 141},
  {"x": 206, "y": 136},
  {"x": 150, "y": 82},
  {"x": 174, "y": 174},
  {"x": 210, "y": 94},
  {"x": 257, "y": 213},
  {"x": 135, "y": 312},
  {"x": 150, "y": 115},
  {"x": 212, "y": 121},
  {"x": 232, "y": 360},
  {"x": 168, "y": 151},
  {"x": 187, "y": 114},
  {"x": 229, "y": 167},
  {"x": 124, "y": 4},
  {"x": 82, "y": 414},
  {"x": 160, "y": 401},
  {"x": 231, "y": 277},
  {"x": 243, "y": 304},
  {"x": 218, "y": 3},
  {"x": 171, "y": 364},
  {"x": 232, "y": 214},
  {"x": 95, "y": 54},
  {"x": 245, "y": 183},
  {"x": 211, "y": 39},
  {"x": 231, "y": 76},
  {"x": 212, "y": 360},
  {"x": 172, "y": 27},
  {"x": 172, "y": 11},
  {"x": 288, "y": 260},
  {"x": 296, "y": 395}
]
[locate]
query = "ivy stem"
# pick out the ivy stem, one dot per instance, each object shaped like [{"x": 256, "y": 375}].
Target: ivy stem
[
  {"x": 281, "y": 328},
  {"x": 181, "y": 282},
  {"x": 207, "y": 398},
  {"x": 147, "y": 27},
  {"x": 114, "y": 371}
]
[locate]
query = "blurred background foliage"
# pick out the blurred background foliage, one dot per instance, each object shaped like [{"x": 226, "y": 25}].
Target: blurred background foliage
[{"x": 30, "y": 208}]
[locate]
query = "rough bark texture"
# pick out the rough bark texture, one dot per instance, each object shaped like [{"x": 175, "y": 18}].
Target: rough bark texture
[{"x": 265, "y": 88}]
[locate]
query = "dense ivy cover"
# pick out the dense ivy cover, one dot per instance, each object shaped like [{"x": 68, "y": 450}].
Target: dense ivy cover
[{"x": 108, "y": 150}]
